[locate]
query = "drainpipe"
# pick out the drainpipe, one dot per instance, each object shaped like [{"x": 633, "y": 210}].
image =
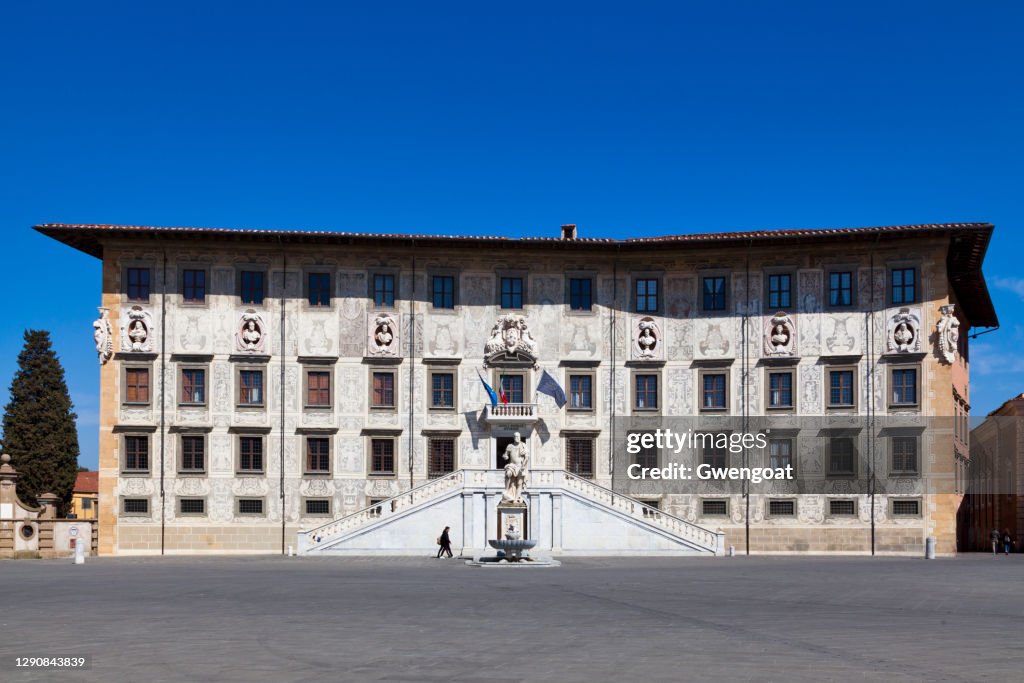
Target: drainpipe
[
  {"x": 284, "y": 299},
  {"x": 163, "y": 406}
]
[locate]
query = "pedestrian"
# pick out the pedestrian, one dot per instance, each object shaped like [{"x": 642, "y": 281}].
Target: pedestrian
[
  {"x": 1007, "y": 541},
  {"x": 445, "y": 542},
  {"x": 995, "y": 537}
]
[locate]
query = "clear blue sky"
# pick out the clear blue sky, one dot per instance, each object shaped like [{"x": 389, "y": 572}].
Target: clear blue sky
[{"x": 663, "y": 118}]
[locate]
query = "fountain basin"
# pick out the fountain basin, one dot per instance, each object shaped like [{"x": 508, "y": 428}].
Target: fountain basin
[{"x": 513, "y": 548}]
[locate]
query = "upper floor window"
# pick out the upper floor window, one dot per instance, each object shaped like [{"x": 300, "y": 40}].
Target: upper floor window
[
  {"x": 442, "y": 457},
  {"x": 383, "y": 289},
  {"x": 713, "y": 288},
  {"x": 840, "y": 288},
  {"x": 780, "y": 389},
  {"x": 841, "y": 456},
  {"x": 780, "y": 453},
  {"x": 780, "y": 291},
  {"x": 715, "y": 450},
  {"x": 252, "y": 286},
  {"x": 647, "y": 299},
  {"x": 579, "y": 456},
  {"x": 646, "y": 392},
  {"x": 904, "y": 454},
  {"x": 250, "y": 387},
  {"x": 581, "y": 392},
  {"x": 903, "y": 382},
  {"x": 250, "y": 454},
  {"x": 193, "y": 286},
  {"x": 193, "y": 453},
  {"x": 318, "y": 388},
  {"x": 713, "y": 391},
  {"x": 319, "y": 289},
  {"x": 511, "y": 292},
  {"x": 511, "y": 388},
  {"x": 136, "y": 453},
  {"x": 383, "y": 390},
  {"x": 581, "y": 296},
  {"x": 318, "y": 454},
  {"x": 138, "y": 284},
  {"x": 840, "y": 389},
  {"x": 903, "y": 285},
  {"x": 647, "y": 456},
  {"x": 442, "y": 390},
  {"x": 443, "y": 291},
  {"x": 382, "y": 456},
  {"x": 193, "y": 385},
  {"x": 136, "y": 385}
]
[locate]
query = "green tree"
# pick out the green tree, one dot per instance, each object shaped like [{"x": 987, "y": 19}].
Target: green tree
[{"x": 39, "y": 425}]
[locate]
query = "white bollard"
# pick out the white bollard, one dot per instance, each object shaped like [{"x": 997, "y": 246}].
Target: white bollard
[
  {"x": 79, "y": 553},
  {"x": 291, "y": 552},
  {"x": 732, "y": 551},
  {"x": 929, "y": 548}
]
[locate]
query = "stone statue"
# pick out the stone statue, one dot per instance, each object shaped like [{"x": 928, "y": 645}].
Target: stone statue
[
  {"x": 948, "y": 333},
  {"x": 103, "y": 336},
  {"x": 515, "y": 471},
  {"x": 510, "y": 336},
  {"x": 902, "y": 332},
  {"x": 135, "y": 333},
  {"x": 250, "y": 335},
  {"x": 383, "y": 333}
]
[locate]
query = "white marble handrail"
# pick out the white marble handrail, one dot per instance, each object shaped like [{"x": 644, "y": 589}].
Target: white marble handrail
[
  {"x": 634, "y": 508},
  {"x": 513, "y": 410}
]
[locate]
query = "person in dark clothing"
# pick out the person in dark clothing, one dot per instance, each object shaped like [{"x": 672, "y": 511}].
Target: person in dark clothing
[
  {"x": 446, "y": 543},
  {"x": 1007, "y": 541}
]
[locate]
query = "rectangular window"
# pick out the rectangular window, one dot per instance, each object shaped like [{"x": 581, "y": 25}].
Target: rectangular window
[
  {"x": 135, "y": 506},
  {"x": 840, "y": 389},
  {"x": 904, "y": 454},
  {"x": 442, "y": 457},
  {"x": 581, "y": 392},
  {"x": 318, "y": 454},
  {"x": 906, "y": 508},
  {"x": 443, "y": 291},
  {"x": 319, "y": 289},
  {"x": 780, "y": 453},
  {"x": 581, "y": 294},
  {"x": 713, "y": 288},
  {"x": 193, "y": 386},
  {"x": 904, "y": 386},
  {"x": 250, "y": 387},
  {"x": 580, "y": 457},
  {"x": 714, "y": 508},
  {"x": 903, "y": 285},
  {"x": 251, "y": 284},
  {"x": 382, "y": 456},
  {"x": 647, "y": 295},
  {"x": 840, "y": 288},
  {"x": 780, "y": 291},
  {"x": 250, "y": 454},
  {"x": 138, "y": 284},
  {"x": 383, "y": 390},
  {"x": 715, "y": 451},
  {"x": 250, "y": 506},
  {"x": 842, "y": 508},
  {"x": 511, "y": 292},
  {"x": 647, "y": 457},
  {"x": 87, "y": 503},
  {"x": 780, "y": 390},
  {"x": 781, "y": 508},
  {"x": 512, "y": 387},
  {"x": 383, "y": 289},
  {"x": 136, "y": 453},
  {"x": 192, "y": 506},
  {"x": 646, "y": 397},
  {"x": 713, "y": 391},
  {"x": 193, "y": 453},
  {"x": 317, "y": 507},
  {"x": 136, "y": 385},
  {"x": 318, "y": 388},
  {"x": 193, "y": 286},
  {"x": 442, "y": 390},
  {"x": 841, "y": 459}
]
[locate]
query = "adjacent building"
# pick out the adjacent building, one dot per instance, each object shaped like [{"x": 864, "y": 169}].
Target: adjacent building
[
  {"x": 85, "y": 495},
  {"x": 326, "y": 390},
  {"x": 996, "y": 478}
]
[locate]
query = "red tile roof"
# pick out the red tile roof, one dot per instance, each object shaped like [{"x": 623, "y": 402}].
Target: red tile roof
[
  {"x": 87, "y": 482},
  {"x": 968, "y": 243}
]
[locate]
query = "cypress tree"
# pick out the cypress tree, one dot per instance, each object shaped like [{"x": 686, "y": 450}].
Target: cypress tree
[{"x": 39, "y": 425}]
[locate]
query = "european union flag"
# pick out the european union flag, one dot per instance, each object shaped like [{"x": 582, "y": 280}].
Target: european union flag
[{"x": 550, "y": 386}]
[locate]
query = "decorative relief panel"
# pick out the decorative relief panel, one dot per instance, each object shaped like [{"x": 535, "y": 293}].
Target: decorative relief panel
[
  {"x": 316, "y": 341},
  {"x": 714, "y": 338},
  {"x": 903, "y": 331},
  {"x": 251, "y": 335},
  {"x": 647, "y": 340},
  {"x": 443, "y": 337},
  {"x": 842, "y": 334},
  {"x": 810, "y": 390},
  {"x": 193, "y": 339},
  {"x": 779, "y": 336},
  {"x": 383, "y": 336},
  {"x": 103, "y": 335},
  {"x": 510, "y": 339},
  {"x": 679, "y": 293},
  {"x": 417, "y": 335},
  {"x": 680, "y": 392},
  {"x": 948, "y": 333},
  {"x": 137, "y": 330}
]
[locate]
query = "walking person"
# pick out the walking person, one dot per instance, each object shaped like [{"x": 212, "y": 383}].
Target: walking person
[
  {"x": 1007, "y": 541},
  {"x": 995, "y": 536},
  {"x": 445, "y": 542}
]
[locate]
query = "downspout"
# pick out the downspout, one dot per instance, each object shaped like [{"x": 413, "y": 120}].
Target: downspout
[
  {"x": 163, "y": 405},
  {"x": 412, "y": 368},
  {"x": 743, "y": 397},
  {"x": 869, "y": 334},
  {"x": 611, "y": 372},
  {"x": 281, "y": 324}
]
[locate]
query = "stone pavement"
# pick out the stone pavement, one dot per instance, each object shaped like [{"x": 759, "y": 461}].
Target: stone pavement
[{"x": 353, "y": 619}]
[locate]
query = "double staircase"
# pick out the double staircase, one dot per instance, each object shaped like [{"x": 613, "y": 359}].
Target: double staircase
[{"x": 593, "y": 503}]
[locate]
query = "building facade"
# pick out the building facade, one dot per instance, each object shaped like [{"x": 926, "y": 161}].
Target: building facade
[
  {"x": 85, "y": 495},
  {"x": 996, "y": 478},
  {"x": 257, "y": 385}
]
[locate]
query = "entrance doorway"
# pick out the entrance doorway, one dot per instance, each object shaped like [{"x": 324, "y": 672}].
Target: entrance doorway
[{"x": 500, "y": 444}]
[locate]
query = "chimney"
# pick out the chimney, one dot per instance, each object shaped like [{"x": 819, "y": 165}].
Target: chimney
[{"x": 569, "y": 231}]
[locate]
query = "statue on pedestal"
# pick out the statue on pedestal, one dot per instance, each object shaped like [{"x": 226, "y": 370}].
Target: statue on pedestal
[{"x": 516, "y": 457}]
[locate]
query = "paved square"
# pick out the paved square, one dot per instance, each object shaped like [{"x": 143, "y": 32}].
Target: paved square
[{"x": 292, "y": 619}]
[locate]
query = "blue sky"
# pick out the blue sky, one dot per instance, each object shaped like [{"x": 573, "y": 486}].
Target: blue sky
[{"x": 625, "y": 118}]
